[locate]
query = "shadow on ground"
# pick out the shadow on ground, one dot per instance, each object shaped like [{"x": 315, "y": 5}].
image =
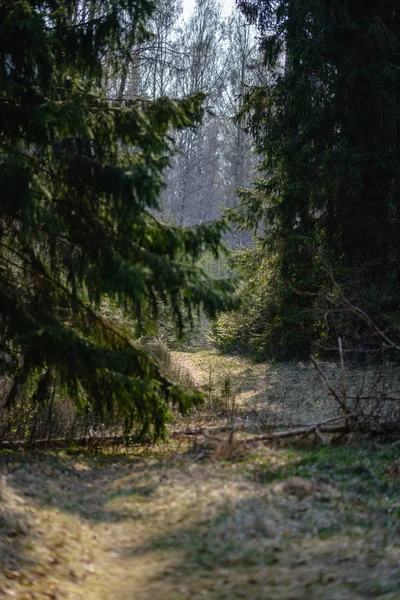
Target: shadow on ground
[{"x": 283, "y": 524}]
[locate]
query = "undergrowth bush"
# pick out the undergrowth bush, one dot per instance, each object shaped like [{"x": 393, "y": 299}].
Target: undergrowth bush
[
  {"x": 278, "y": 321},
  {"x": 272, "y": 321}
]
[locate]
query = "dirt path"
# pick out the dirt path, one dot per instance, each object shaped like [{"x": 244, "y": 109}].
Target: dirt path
[
  {"x": 157, "y": 523},
  {"x": 167, "y": 527}
]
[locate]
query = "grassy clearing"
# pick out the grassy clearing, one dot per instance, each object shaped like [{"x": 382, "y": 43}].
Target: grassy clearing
[
  {"x": 264, "y": 394},
  {"x": 269, "y": 395}
]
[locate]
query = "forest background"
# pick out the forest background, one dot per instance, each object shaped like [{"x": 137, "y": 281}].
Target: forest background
[{"x": 284, "y": 121}]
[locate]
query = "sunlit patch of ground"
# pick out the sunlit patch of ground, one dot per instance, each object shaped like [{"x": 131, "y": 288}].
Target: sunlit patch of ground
[
  {"x": 316, "y": 523},
  {"x": 168, "y": 522},
  {"x": 281, "y": 394},
  {"x": 276, "y": 394}
]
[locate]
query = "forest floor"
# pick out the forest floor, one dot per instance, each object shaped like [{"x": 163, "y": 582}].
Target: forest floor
[{"x": 165, "y": 522}]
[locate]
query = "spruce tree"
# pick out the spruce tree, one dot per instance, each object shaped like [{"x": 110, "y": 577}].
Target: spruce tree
[
  {"x": 80, "y": 178},
  {"x": 326, "y": 125}
]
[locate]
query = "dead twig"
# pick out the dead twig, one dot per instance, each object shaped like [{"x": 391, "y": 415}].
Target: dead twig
[
  {"x": 332, "y": 420},
  {"x": 291, "y": 433},
  {"x": 375, "y": 398},
  {"x": 342, "y": 376},
  {"x": 331, "y": 390},
  {"x": 387, "y": 343},
  {"x": 320, "y": 436}
]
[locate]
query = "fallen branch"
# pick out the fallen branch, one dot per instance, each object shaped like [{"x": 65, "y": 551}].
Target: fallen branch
[
  {"x": 60, "y": 443},
  {"x": 342, "y": 425},
  {"x": 303, "y": 431},
  {"x": 332, "y": 420}
]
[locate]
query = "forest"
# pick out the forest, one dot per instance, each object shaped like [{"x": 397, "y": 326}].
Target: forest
[{"x": 199, "y": 299}]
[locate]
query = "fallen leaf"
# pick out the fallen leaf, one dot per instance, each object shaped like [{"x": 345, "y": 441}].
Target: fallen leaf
[{"x": 12, "y": 574}]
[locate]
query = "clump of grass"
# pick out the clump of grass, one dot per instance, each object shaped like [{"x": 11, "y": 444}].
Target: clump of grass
[{"x": 220, "y": 395}]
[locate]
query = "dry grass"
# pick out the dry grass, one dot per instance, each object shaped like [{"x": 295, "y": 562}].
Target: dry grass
[
  {"x": 278, "y": 524},
  {"x": 311, "y": 523},
  {"x": 268, "y": 395}
]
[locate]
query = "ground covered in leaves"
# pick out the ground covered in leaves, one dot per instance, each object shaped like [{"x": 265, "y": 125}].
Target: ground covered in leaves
[{"x": 168, "y": 522}]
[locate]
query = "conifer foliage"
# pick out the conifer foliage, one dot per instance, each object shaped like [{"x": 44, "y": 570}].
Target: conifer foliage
[
  {"x": 80, "y": 178},
  {"x": 326, "y": 125}
]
